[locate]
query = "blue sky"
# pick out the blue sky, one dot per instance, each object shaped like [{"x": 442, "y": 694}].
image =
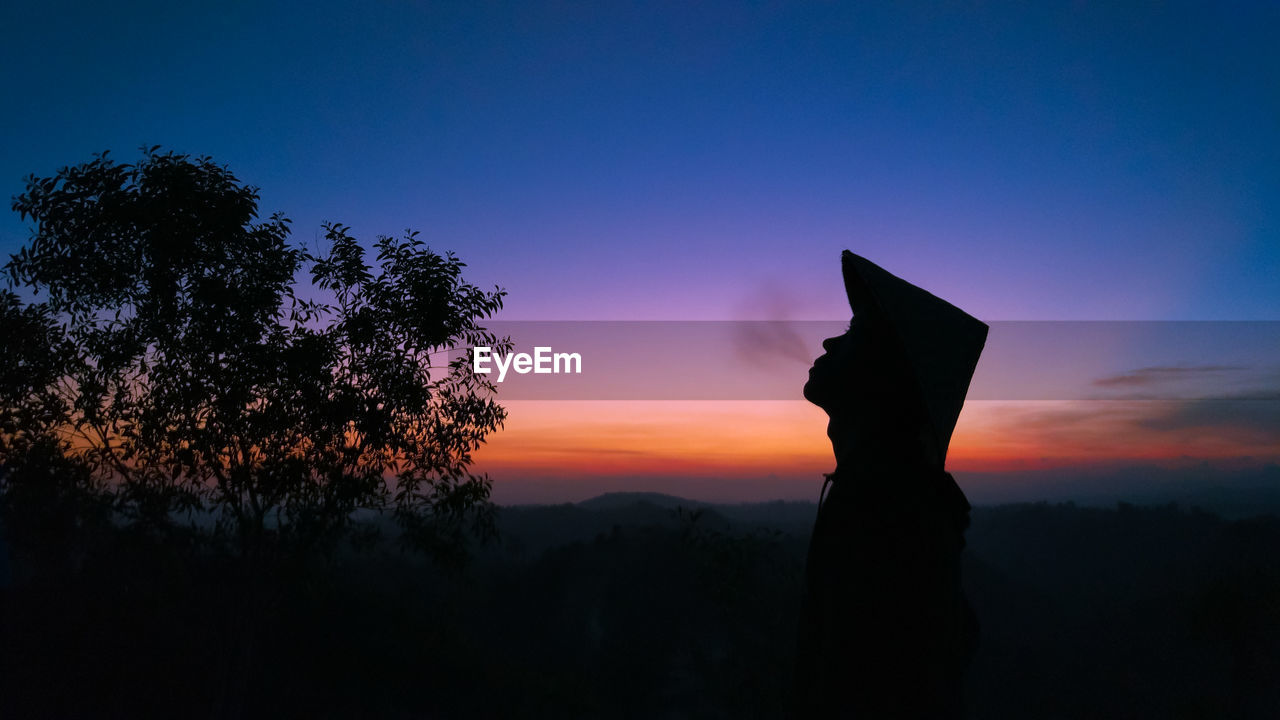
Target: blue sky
[{"x": 661, "y": 161}]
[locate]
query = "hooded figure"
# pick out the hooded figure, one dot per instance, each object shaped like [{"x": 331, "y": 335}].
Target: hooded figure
[{"x": 885, "y": 629}]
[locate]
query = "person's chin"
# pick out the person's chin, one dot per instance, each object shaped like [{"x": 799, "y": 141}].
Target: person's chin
[{"x": 811, "y": 392}]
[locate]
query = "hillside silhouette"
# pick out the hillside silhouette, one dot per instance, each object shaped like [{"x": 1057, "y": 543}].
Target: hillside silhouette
[{"x": 637, "y": 610}]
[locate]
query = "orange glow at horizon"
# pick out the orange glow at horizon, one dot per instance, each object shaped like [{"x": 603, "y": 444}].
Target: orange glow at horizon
[
  {"x": 573, "y": 439},
  {"x": 689, "y": 438}
]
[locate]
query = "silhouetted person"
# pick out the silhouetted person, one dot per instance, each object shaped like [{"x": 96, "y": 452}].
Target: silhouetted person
[{"x": 885, "y": 629}]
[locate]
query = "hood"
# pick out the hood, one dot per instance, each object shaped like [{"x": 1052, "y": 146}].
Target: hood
[{"x": 940, "y": 341}]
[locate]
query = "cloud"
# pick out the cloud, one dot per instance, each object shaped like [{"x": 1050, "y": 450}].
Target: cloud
[
  {"x": 1163, "y": 374},
  {"x": 1256, "y": 415},
  {"x": 1239, "y": 425}
]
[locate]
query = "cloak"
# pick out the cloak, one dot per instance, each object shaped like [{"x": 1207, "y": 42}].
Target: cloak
[
  {"x": 940, "y": 342},
  {"x": 885, "y": 629}
]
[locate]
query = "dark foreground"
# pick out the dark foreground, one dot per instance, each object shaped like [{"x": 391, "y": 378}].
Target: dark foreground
[{"x": 627, "y": 607}]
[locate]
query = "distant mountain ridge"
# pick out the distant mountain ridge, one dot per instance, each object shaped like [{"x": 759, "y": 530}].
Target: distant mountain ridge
[
  {"x": 1232, "y": 493},
  {"x": 615, "y": 500},
  {"x": 531, "y": 529}
]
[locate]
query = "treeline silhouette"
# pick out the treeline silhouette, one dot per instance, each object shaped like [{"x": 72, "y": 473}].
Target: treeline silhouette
[
  {"x": 198, "y": 416},
  {"x": 643, "y": 606}
]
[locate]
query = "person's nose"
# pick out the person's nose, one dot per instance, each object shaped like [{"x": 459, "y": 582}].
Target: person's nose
[{"x": 829, "y": 344}]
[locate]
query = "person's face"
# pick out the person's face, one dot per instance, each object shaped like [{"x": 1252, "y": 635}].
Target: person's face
[{"x": 830, "y": 379}]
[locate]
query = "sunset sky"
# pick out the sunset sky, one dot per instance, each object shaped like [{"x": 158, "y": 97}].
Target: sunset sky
[{"x": 678, "y": 161}]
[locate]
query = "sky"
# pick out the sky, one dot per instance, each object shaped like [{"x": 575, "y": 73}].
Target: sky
[{"x": 680, "y": 161}]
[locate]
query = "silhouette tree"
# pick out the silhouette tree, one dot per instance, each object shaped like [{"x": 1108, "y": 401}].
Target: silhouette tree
[{"x": 175, "y": 355}]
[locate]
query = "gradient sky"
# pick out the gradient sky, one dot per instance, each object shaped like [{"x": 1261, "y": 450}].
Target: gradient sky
[{"x": 646, "y": 160}]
